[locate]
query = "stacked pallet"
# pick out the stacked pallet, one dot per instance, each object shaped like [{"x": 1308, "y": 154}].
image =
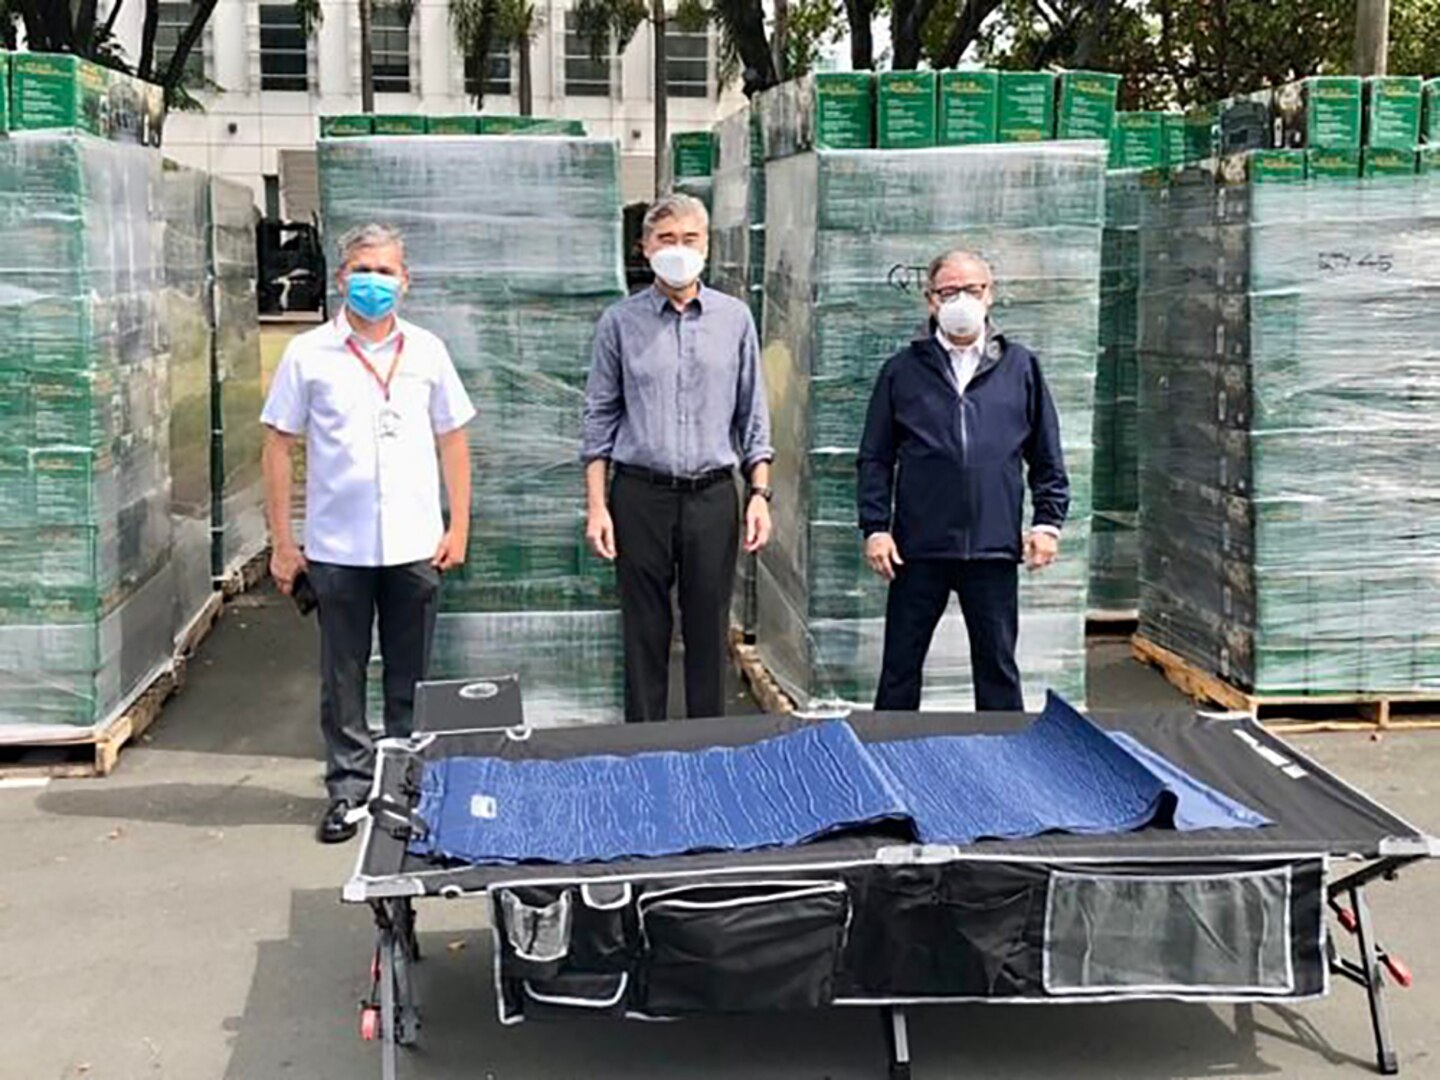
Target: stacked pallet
[
  {"x": 1289, "y": 381},
  {"x": 514, "y": 251},
  {"x": 238, "y": 516},
  {"x": 1114, "y": 539},
  {"x": 191, "y": 340},
  {"x": 849, "y": 234},
  {"x": 87, "y": 581}
]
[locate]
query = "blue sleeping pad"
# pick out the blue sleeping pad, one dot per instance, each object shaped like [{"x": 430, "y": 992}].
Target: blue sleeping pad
[
  {"x": 785, "y": 790},
  {"x": 1061, "y": 774}
]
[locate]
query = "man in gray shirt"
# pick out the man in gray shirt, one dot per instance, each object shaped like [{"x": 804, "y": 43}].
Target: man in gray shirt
[{"x": 675, "y": 403}]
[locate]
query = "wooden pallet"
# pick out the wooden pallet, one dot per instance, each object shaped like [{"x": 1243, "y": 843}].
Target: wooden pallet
[
  {"x": 246, "y": 575},
  {"x": 96, "y": 751},
  {"x": 768, "y": 693},
  {"x": 1294, "y": 714}
]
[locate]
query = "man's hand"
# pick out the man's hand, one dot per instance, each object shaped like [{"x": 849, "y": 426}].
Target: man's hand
[
  {"x": 1041, "y": 548},
  {"x": 451, "y": 551},
  {"x": 286, "y": 563},
  {"x": 757, "y": 524},
  {"x": 882, "y": 555},
  {"x": 600, "y": 532}
]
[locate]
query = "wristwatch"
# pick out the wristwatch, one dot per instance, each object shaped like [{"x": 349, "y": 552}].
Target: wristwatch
[{"x": 766, "y": 493}]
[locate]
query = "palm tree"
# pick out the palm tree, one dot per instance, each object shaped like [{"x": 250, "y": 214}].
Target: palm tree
[{"x": 482, "y": 24}]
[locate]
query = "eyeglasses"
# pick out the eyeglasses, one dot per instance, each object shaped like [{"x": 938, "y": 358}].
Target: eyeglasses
[{"x": 950, "y": 292}]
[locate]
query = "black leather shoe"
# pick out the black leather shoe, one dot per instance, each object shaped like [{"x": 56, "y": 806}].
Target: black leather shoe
[{"x": 334, "y": 829}]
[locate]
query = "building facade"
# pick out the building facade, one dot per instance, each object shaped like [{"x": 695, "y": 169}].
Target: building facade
[{"x": 264, "y": 84}]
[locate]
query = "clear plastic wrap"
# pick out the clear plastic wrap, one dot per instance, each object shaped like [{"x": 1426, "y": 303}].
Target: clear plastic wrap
[
  {"x": 1290, "y": 378},
  {"x": 1114, "y": 539},
  {"x": 190, "y": 333},
  {"x": 849, "y": 237},
  {"x": 514, "y": 248},
  {"x": 87, "y": 595},
  {"x": 239, "y": 492}
]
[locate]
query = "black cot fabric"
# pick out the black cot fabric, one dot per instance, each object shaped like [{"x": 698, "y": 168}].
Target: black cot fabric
[
  {"x": 964, "y": 930},
  {"x": 1314, "y": 811}
]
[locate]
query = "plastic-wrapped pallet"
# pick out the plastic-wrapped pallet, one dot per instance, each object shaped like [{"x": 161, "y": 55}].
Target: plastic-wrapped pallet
[
  {"x": 1114, "y": 539},
  {"x": 189, "y": 330},
  {"x": 1290, "y": 375},
  {"x": 239, "y": 509},
  {"x": 87, "y": 593},
  {"x": 737, "y": 218},
  {"x": 514, "y": 247},
  {"x": 737, "y": 263},
  {"x": 849, "y": 235}
]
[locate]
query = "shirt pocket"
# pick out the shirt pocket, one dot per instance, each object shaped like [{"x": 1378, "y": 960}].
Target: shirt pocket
[{"x": 410, "y": 396}]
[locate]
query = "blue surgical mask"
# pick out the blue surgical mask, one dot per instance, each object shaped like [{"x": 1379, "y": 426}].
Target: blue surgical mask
[{"x": 370, "y": 295}]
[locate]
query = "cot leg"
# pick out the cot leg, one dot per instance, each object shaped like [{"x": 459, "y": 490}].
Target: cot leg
[
  {"x": 897, "y": 1041},
  {"x": 1385, "y": 1058},
  {"x": 388, "y": 1013}
]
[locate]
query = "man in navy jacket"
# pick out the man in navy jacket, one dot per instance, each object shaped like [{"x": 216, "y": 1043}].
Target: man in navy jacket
[{"x": 956, "y": 422}]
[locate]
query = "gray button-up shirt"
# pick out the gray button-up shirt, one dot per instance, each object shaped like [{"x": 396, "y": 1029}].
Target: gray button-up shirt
[{"x": 677, "y": 392}]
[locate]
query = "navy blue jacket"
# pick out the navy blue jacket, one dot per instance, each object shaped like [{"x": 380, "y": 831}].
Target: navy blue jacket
[{"x": 942, "y": 472}]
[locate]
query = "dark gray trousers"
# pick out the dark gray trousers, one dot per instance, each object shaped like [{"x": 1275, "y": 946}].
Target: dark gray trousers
[
  {"x": 405, "y": 598},
  {"x": 663, "y": 535}
]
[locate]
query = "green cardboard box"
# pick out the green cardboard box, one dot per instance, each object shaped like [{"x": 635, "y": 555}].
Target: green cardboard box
[
  {"x": 1199, "y": 134},
  {"x": 501, "y": 124},
  {"x": 968, "y": 107},
  {"x": 905, "y": 108},
  {"x": 1027, "y": 106},
  {"x": 1338, "y": 164},
  {"x": 1392, "y": 111},
  {"x": 1138, "y": 141},
  {"x": 1430, "y": 124},
  {"x": 692, "y": 153},
  {"x": 844, "y": 110},
  {"x": 1320, "y": 113},
  {"x": 1275, "y": 166},
  {"x": 337, "y": 127},
  {"x": 1177, "y": 148},
  {"x": 58, "y": 91},
  {"x": 1385, "y": 161},
  {"x": 452, "y": 125},
  {"x": 4, "y": 90},
  {"x": 399, "y": 124},
  {"x": 1087, "y": 105}
]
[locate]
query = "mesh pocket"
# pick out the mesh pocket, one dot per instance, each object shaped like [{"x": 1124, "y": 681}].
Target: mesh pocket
[{"x": 1146, "y": 934}]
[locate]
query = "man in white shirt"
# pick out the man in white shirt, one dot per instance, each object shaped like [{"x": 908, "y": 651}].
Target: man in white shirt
[
  {"x": 959, "y": 422},
  {"x": 375, "y": 397}
]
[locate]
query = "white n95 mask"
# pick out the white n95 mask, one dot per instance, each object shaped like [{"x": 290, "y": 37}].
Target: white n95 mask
[
  {"x": 677, "y": 265},
  {"x": 962, "y": 317}
]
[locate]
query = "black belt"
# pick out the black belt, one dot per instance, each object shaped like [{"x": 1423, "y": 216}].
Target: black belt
[{"x": 675, "y": 483}]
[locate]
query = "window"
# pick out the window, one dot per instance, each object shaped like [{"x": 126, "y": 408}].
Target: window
[
  {"x": 497, "y": 72},
  {"x": 174, "y": 19},
  {"x": 284, "y": 60},
  {"x": 389, "y": 50},
  {"x": 584, "y": 76},
  {"x": 687, "y": 61}
]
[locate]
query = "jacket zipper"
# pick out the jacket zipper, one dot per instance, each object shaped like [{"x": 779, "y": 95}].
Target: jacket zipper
[{"x": 965, "y": 471}]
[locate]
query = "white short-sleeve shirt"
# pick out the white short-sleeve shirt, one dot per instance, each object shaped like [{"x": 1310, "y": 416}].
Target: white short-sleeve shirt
[{"x": 372, "y": 477}]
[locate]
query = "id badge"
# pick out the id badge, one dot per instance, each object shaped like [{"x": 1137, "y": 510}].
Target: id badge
[{"x": 388, "y": 422}]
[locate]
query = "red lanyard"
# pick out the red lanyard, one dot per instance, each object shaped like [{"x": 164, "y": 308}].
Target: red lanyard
[{"x": 384, "y": 383}]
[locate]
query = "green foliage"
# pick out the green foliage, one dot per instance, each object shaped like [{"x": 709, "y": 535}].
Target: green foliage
[
  {"x": 1415, "y": 37},
  {"x": 606, "y": 24},
  {"x": 814, "y": 25}
]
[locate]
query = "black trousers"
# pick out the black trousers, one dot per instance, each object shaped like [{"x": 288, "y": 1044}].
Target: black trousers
[
  {"x": 990, "y": 601},
  {"x": 660, "y": 535},
  {"x": 406, "y": 599}
]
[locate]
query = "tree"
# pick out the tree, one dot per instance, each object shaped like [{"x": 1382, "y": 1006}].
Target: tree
[{"x": 480, "y": 25}]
